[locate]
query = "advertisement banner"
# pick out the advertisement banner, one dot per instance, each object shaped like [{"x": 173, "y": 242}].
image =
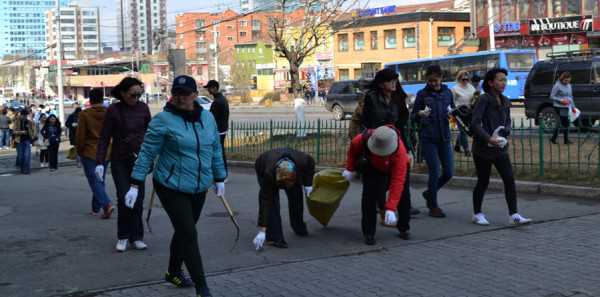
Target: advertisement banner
[{"x": 572, "y": 24}]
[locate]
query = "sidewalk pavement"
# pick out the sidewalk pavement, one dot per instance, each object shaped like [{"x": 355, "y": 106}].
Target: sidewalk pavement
[{"x": 50, "y": 246}]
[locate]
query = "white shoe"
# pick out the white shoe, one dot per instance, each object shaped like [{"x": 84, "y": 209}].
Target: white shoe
[
  {"x": 517, "y": 219},
  {"x": 480, "y": 219},
  {"x": 139, "y": 245},
  {"x": 122, "y": 245}
]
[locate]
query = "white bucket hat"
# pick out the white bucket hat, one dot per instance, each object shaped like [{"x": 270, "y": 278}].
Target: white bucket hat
[{"x": 383, "y": 142}]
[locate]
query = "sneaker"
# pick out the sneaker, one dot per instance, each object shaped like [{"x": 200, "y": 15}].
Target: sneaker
[
  {"x": 122, "y": 245},
  {"x": 108, "y": 210},
  {"x": 437, "y": 213},
  {"x": 517, "y": 219},
  {"x": 178, "y": 279},
  {"x": 139, "y": 245},
  {"x": 94, "y": 213},
  {"x": 480, "y": 219}
]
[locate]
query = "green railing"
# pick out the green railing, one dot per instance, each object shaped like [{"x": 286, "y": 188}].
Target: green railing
[{"x": 532, "y": 153}]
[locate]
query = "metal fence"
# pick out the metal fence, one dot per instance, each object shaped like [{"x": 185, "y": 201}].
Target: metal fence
[{"x": 327, "y": 141}]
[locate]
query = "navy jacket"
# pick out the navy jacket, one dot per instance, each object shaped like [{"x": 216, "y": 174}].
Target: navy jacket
[
  {"x": 487, "y": 116},
  {"x": 435, "y": 127}
]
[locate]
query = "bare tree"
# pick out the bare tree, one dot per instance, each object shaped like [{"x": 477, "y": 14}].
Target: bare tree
[{"x": 301, "y": 26}]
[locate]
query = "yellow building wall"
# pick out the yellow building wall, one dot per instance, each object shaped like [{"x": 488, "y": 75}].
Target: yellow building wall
[
  {"x": 351, "y": 60},
  {"x": 265, "y": 82}
]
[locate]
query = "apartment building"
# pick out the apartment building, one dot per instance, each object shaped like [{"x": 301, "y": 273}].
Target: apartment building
[{"x": 80, "y": 32}]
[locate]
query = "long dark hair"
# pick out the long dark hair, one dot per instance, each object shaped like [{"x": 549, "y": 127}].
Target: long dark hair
[
  {"x": 48, "y": 124},
  {"x": 491, "y": 76},
  {"x": 124, "y": 86}
]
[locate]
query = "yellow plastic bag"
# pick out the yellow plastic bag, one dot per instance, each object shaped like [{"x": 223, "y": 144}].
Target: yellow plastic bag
[
  {"x": 72, "y": 154},
  {"x": 329, "y": 187}
]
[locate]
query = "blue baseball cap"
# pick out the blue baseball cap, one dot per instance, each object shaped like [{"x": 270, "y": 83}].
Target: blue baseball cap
[{"x": 185, "y": 83}]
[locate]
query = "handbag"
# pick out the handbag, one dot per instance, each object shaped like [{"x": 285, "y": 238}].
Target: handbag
[{"x": 72, "y": 154}]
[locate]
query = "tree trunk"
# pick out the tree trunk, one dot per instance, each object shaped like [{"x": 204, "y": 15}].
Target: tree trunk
[{"x": 295, "y": 80}]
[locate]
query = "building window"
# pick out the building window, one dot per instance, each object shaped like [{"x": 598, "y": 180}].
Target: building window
[
  {"x": 374, "y": 42},
  {"x": 539, "y": 9},
  {"x": 243, "y": 23},
  {"x": 590, "y": 7},
  {"x": 359, "y": 41},
  {"x": 242, "y": 34},
  {"x": 573, "y": 7},
  {"x": 357, "y": 73},
  {"x": 523, "y": 10},
  {"x": 229, "y": 38},
  {"x": 343, "y": 42},
  {"x": 408, "y": 38},
  {"x": 390, "y": 39},
  {"x": 466, "y": 32},
  {"x": 481, "y": 13},
  {"x": 446, "y": 37},
  {"x": 509, "y": 11},
  {"x": 344, "y": 74},
  {"x": 199, "y": 24}
]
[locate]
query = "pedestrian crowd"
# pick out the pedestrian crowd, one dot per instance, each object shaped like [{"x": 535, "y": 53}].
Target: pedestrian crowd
[{"x": 182, "y": 147}]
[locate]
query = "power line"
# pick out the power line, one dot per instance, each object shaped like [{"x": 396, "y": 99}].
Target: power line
[{"x": 28, "y": 56}]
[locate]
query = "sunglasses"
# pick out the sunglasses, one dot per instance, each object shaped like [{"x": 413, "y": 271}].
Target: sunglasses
[
  {"x": 137, "y": 95},
  {"x": 465, "y": 79}
]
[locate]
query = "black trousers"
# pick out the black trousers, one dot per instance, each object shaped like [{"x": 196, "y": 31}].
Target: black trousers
[
  {"x": 53, "y": 156},
  {"x": 184, "y": 211},
  {"x": 296, "y": 208},
  {"x": 375, "y": 188},
  {"x": 483, "y": 167},
  {"x": 129, "y": 220},
  {"x": 564, "y": 122},
  {"x": 222, "y": 138},
  {"x": 44, "y": 155}
]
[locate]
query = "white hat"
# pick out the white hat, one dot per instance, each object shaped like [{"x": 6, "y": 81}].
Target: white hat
[{"x": 383, "y": 142}]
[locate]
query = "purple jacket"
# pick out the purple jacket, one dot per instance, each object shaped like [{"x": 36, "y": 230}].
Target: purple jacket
[{"x": 126, "y": 126}]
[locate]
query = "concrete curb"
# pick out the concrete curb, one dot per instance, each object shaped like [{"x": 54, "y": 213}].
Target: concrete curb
[{"x": 523, "y": 187}]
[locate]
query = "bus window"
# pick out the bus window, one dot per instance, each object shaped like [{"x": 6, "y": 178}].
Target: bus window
[
  {"x": 446, "y": 74},
  {"x": 410, "y": 73},
  {"x": 492, "y": 61},
  {"x": 519, "y": 62}
]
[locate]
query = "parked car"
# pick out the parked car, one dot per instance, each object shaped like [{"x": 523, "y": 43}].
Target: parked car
[
  {"x": 67, "y": 102},
  {"x": 343, "y": 97},
  {"x": 205, "y": 102},
  {"x": 585, "y": 73},
  {"x": 16, "y": 104}
]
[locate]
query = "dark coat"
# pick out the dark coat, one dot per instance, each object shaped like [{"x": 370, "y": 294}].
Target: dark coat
[
  {"x": 435, "y": 127},
  {"x": 220, "y": 110},
  {"x": 487, "y": 116},
  {"x": 71, "y": 124},
  {"x": 266, "y": 174}
]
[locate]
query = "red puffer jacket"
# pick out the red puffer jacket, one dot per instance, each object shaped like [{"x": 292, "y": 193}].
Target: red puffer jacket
[{"x": 396, "y": 165}]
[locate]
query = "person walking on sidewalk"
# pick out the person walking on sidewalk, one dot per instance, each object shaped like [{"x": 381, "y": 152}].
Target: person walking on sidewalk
[
  {"x": 562, "y": 98},
  {"x": 40, "y": 143},
  {"x": 185, "y": 140},
  {"x": 51, "y": 132},
  {"x": 491, "y": 125},
  {"x": 220, "y": 110},
  {"x": 292, "y": 171},
  {"x": 89, "y": 127},
  {"x": 380, "y": 156},
  {"x": 463, "y": 94},
  {"x": 125, "y": 123},
  {"x": 71, "y": 125},
  {"x": 430, "y": 112},
  {"x": 24, "y": 134},
  {"x": 5, "y": 122}
]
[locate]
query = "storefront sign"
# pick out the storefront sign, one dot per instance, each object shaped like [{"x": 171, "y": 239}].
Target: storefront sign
[
  {"x": 560, "y": 25},
  {"x": 377, "y": 11},
  {"x": 510, "y": 28}
]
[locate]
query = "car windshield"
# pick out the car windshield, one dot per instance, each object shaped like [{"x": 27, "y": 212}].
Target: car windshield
[
  {"x": 520, "y": 62},
  {"x": 203, "y": 100}
]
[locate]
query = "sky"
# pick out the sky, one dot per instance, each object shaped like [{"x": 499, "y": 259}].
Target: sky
[{"x": 108, "y": 14}]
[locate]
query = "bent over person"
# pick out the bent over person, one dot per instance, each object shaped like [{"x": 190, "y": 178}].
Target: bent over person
[{"x": 286, "y": 169}]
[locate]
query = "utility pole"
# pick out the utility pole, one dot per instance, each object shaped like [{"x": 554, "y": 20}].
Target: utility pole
[
  {"x": 491, "y": 26},
  {"x": 216, "y": 46},
  {"x": 59, "y": 73}
]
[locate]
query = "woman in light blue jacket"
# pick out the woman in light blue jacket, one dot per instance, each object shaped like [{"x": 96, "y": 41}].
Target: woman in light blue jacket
[
  {"x": 562, "y": 98},
  {"x": 184, "y": 141}
]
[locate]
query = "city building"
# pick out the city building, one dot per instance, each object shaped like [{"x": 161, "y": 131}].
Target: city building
[
  {"x": 140, "y": 23},
  {"x": 247, "y": 6},
  {"x": 361, "y": 48},
  {"x": 546, "y": 25},
  {"x": 80, "y": 32},
  {"x": 255, "y": 59},
  {"x": 23, "y": 27}
]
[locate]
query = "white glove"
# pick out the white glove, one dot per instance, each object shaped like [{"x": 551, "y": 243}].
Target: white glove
[
  {"x": 220, "y": 189},
  {"x": 100, "y": 172},
  {"x": 390, "y": 217},
  {"x": 502, "y": 140},
  {"x": 348, "y": 175},
  {"x": 425, "y": 112},
  {"x": 259, "y": 240},
  {"x": 131, "y": 197},
  {"x": 308, "y": 190}
]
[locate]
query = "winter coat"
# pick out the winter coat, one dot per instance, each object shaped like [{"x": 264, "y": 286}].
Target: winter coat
[
  {"x": 560, "y": 92},
  {"x": 24, "y": 129},
  {"x": 220, "y": 110},
  {"x": 89, "y": 127},
  {"x": 51, "y": 133},
  {"x": 72, "y": 125},
  {"x": 377, "y": 112},
  {"x": 436, "y": 127},
  {"x": 125, "y": 125},
  {"x": 395, "y": 165},
  {"x": 487, "y": 116},
  {"x": 187, "y": 148},
  {"x": 265, "y": 167}
]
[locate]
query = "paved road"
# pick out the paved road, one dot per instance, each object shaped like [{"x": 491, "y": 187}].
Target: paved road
[{"x": 50, "y": 246}]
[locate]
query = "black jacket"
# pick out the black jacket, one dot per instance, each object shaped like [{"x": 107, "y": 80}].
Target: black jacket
[
  {"x": 72, "y": 119},
  {"x": 220, "y": 110},
  {"x": 265, "y": 172},
  {"x": 487, "y": 116}
]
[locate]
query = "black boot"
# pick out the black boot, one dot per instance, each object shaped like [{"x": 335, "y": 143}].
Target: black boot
[{"x": 370, "y": 240}]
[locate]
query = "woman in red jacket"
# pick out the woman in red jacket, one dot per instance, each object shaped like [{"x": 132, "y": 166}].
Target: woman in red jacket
[{"x": 380, "y": 156}]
